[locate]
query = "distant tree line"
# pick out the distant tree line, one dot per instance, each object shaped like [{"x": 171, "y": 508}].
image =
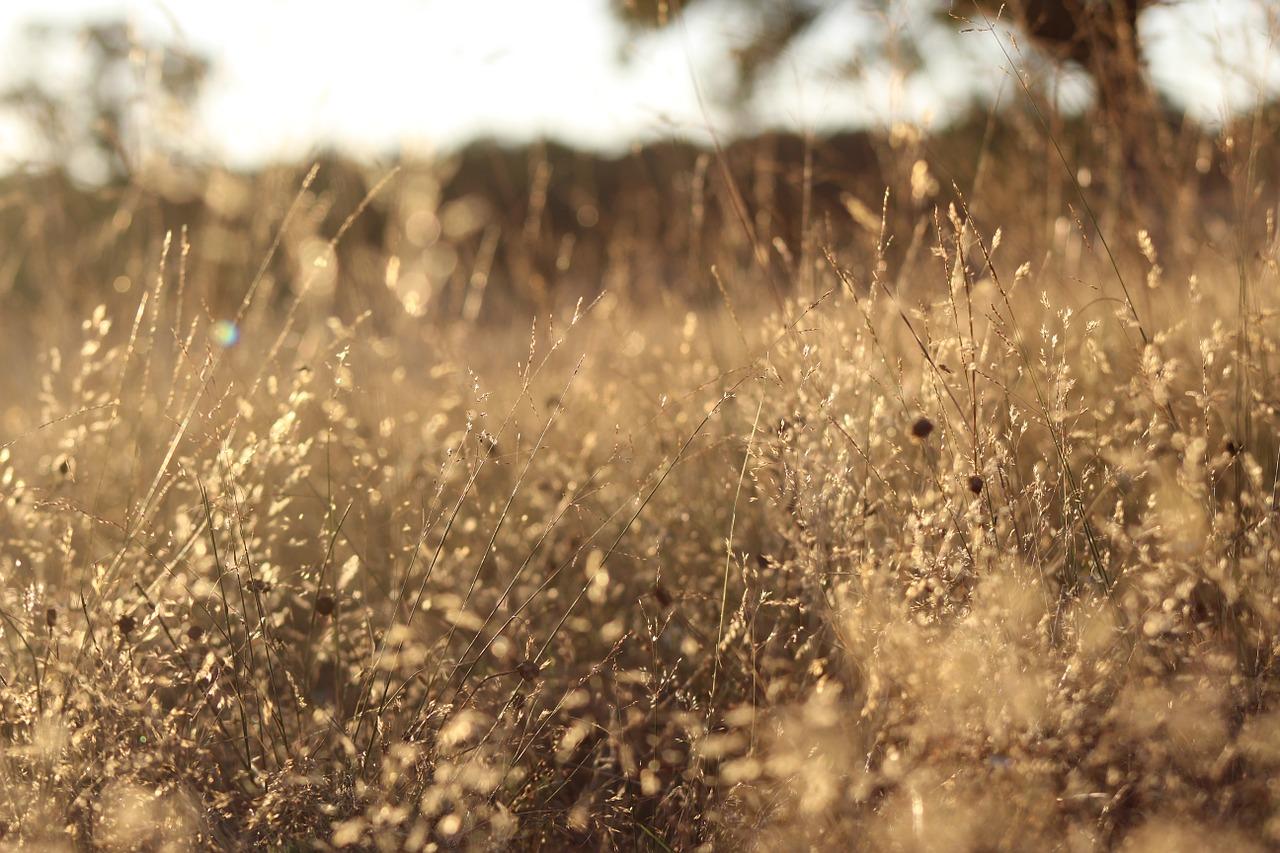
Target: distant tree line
[{"x": 1098, "y": 36}]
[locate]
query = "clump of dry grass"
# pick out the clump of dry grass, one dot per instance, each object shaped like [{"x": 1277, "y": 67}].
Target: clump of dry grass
[{"x": 971, "y": 549}]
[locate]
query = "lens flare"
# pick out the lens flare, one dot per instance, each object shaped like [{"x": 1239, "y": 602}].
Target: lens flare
[{"x": 225, "y": 333}]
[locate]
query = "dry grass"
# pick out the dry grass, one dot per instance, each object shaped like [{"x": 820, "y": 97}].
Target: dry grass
[{"x": 969, "y": 543}]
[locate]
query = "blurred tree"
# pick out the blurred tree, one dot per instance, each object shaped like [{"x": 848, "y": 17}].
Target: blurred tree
[
  {"x": 90, "y": 123},
  {"x": 1098, "y": 35}
]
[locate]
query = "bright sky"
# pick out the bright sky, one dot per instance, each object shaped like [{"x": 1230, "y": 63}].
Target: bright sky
[{"x": 384, "y": 74}]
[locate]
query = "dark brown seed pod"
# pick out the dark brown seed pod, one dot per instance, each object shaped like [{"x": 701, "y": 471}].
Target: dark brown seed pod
[
  {"x": 51, "y": 617},
  {"x": 922, "y": 428},
  {"x": 528, "y": 670},
  {"x": 975, "y": 484},
  {"x": 195, "y": 633},
  {"x": 325, "y": 605},
  {"x": 126, "y": 624}
]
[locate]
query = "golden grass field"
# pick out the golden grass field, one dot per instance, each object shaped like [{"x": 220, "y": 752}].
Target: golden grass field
[{"x": 951, "y": 526}]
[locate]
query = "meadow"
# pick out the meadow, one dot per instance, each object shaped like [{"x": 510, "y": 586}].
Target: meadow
[{"x": 932, "y": 507}]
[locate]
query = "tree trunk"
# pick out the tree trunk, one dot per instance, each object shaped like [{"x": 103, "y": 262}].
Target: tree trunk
[{"x": 1101, "y": 36}]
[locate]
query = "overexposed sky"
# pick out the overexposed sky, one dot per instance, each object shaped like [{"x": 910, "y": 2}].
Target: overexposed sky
[{"x": 291, "y": 75}]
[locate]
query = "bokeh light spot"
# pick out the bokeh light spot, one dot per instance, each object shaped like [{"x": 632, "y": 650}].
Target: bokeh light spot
[{"x": 225, "y": 333}]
